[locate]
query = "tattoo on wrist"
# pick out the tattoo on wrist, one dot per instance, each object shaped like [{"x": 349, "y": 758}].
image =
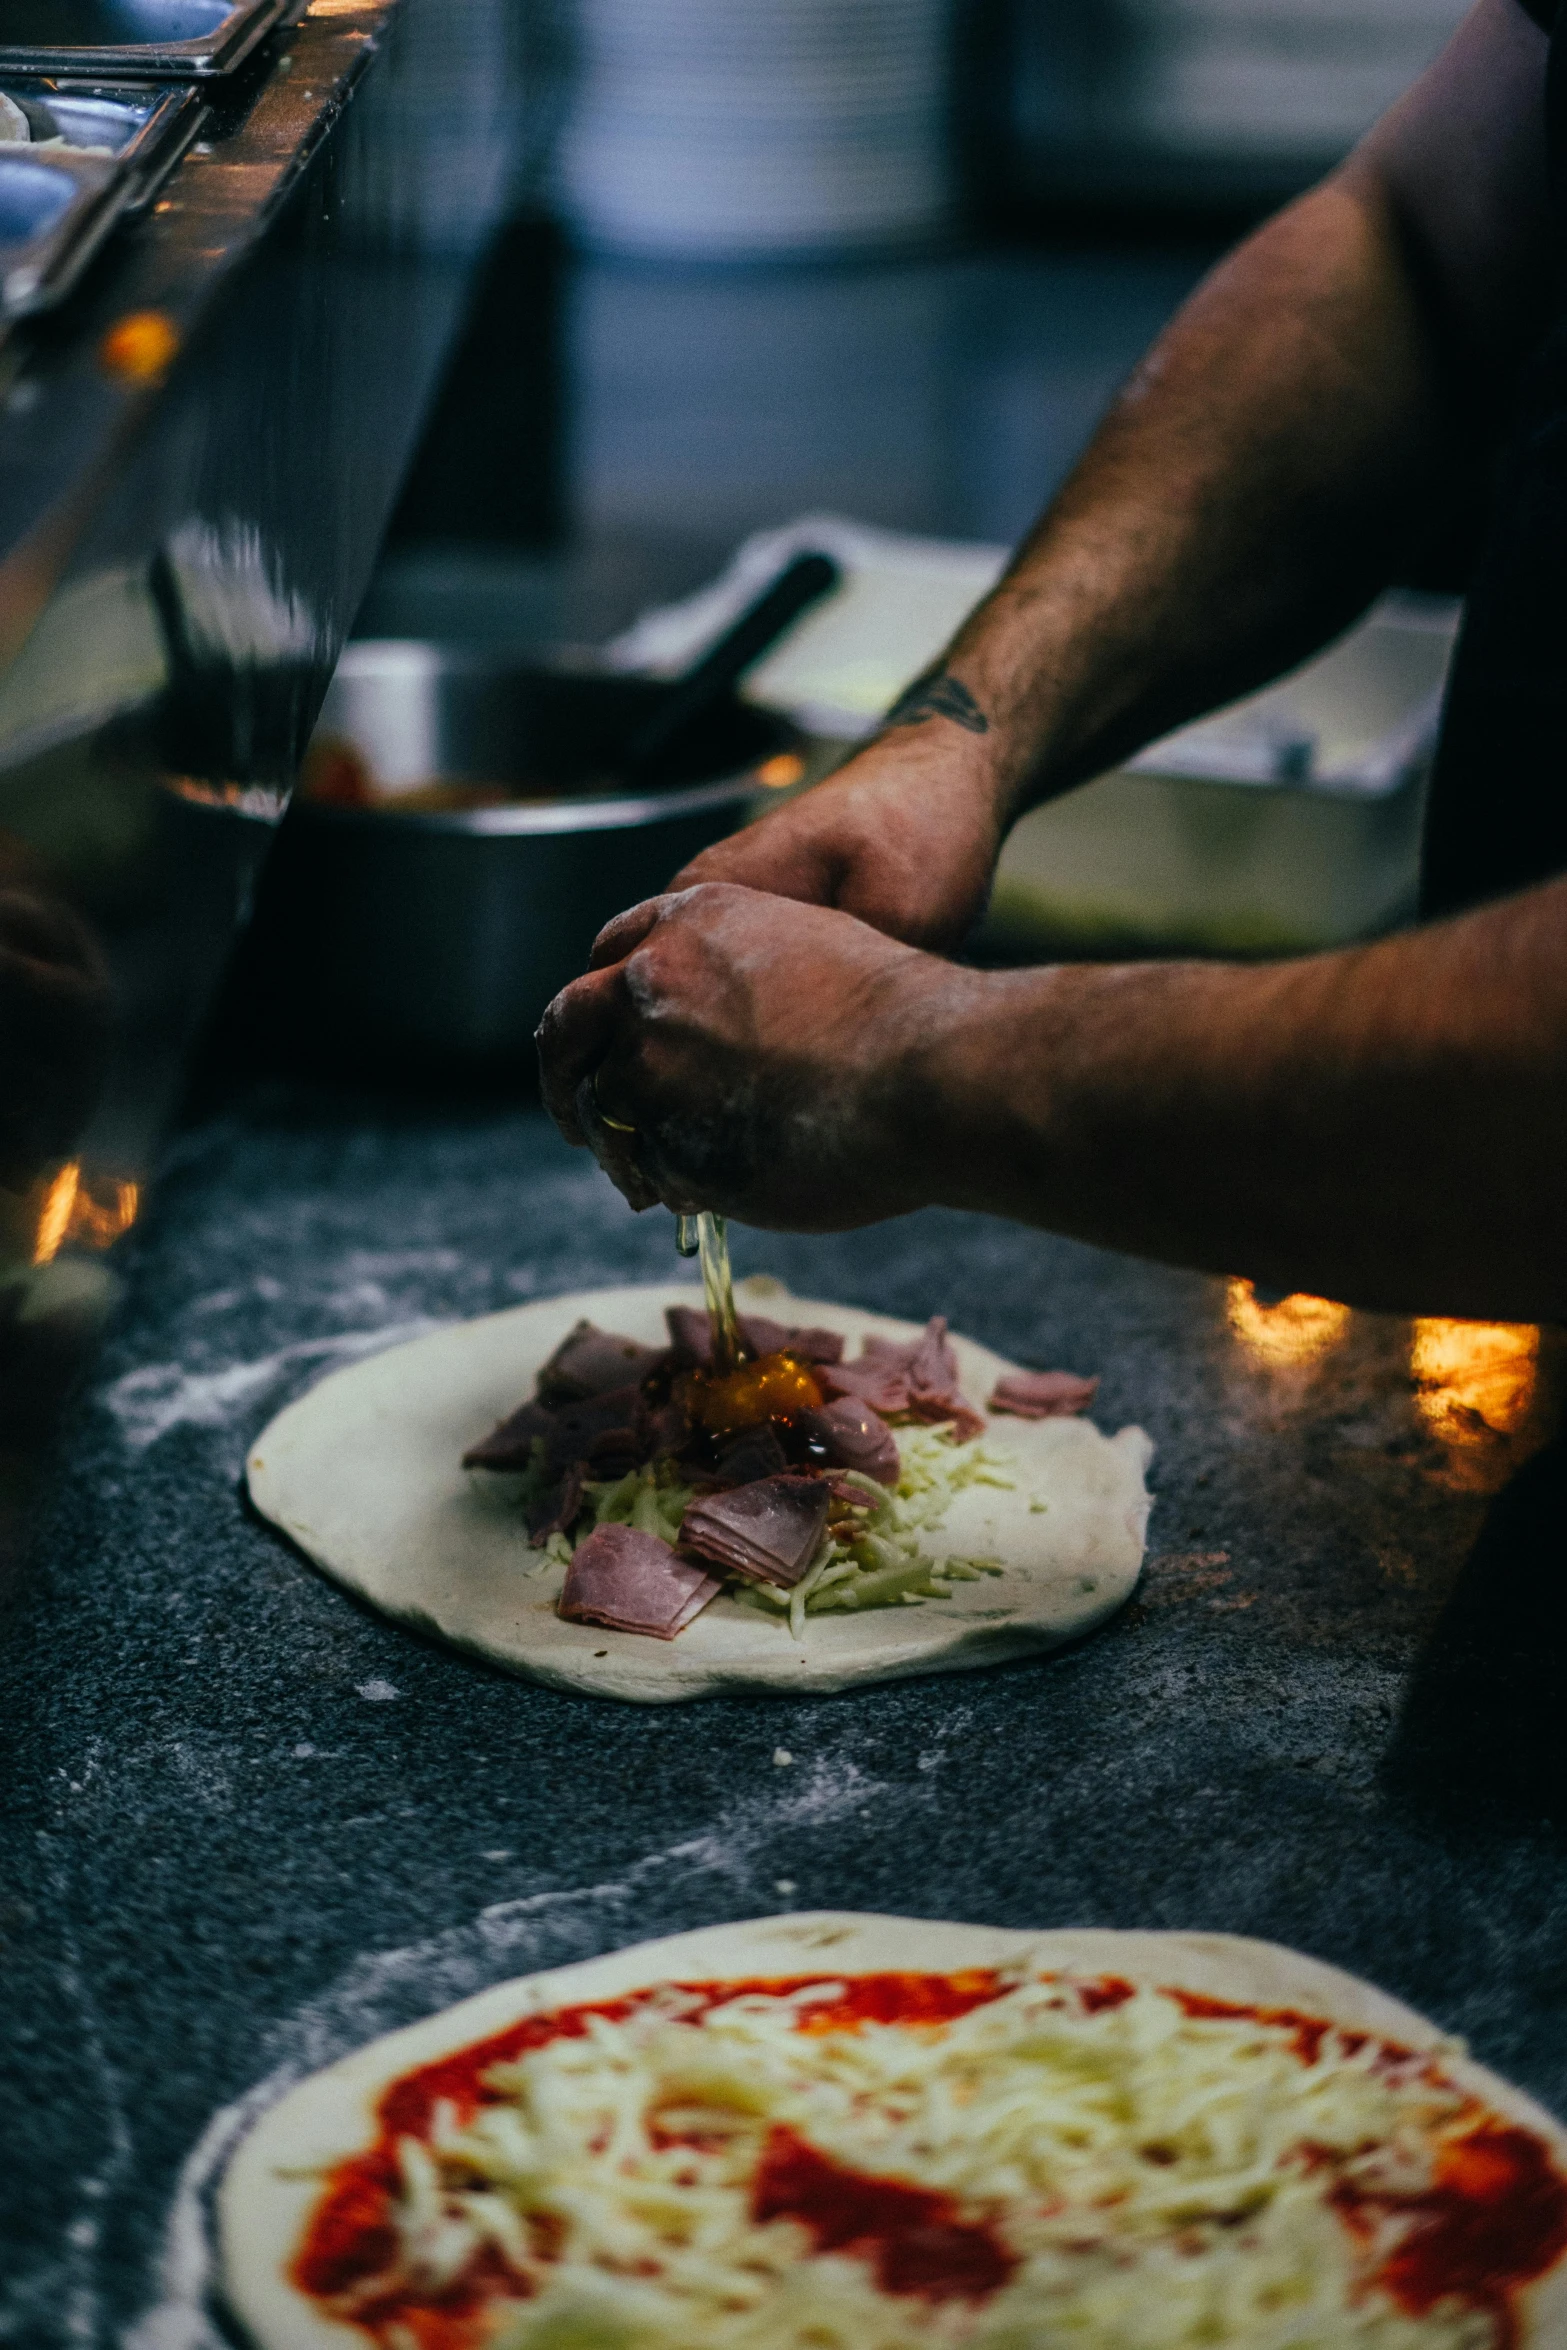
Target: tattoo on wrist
[{"x": 940, "y": 696}]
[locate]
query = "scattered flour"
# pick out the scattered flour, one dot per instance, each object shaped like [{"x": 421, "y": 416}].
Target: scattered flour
[
  {"x": 60, "y": 2300},
  {"x": 149, "y": 1402},
  {"x": 392, "y": 1987},
  {"x": 367, "y": 1264}
]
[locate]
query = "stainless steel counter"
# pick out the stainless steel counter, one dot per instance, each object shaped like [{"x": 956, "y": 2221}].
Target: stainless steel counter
[{"x": 198, "y": 457}]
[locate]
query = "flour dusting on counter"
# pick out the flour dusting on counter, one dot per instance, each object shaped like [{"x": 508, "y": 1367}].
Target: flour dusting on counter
[
  {"x": 149, "y": 1402},
  {"x": 387, "y": 1988}
]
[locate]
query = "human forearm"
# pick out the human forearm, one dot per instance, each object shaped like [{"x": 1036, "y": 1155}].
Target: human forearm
[
  {"x": 1385, "y": 1125},
  {"x": 1258, "y": 480},
  {"x": 1308, "y": 417},
  {"x": 1242, "y": 501},
  {"x": 1314, "y": 411}
]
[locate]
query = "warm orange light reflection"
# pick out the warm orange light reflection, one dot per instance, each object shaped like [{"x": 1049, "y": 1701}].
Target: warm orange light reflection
[
  {"x": 140, "y": 348},
  {"x": 1296, "y": 1330},
  {"x": 83, "y": 1212},
  {"x": 246, "y": 799},
  {"x": 1475, "y": 1381},
  {"x": 54, "y": 1221},
  {"x": 779, "y": 773}
]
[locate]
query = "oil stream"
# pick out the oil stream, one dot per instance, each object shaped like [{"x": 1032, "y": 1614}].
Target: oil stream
[{"x": 708, "y": 1237}]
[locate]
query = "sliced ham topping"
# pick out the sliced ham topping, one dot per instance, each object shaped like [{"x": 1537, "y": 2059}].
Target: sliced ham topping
[
  {"x": 769, "y": 1531},
  {"x": 754, "y": 1453},
  {"x": 881, "y": 1387},
  {"x": 1043, "y": 1395},
  {"x": 614, "y": 1453},
  {"x": 555, "y": 1512},
  {"x": 634, "y": 1583},
  {"x": 763, "y": 1337},
  {"x": 933, "y": 1382},
  {"x": 601, "y": 1429},
  {"x": 666, "y": 1429},
  {"x": 510, "y": 1446},
  {"x": 589, "y": 1361},
  {"x": 851, "y": 1436},
  {"x": 918, "y": 1376},
  {"x": 691, "y": 1336}
]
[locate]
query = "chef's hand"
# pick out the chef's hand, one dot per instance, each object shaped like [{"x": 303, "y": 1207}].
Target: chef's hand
[
  {"x": 767, "y": 1055},
  {"x": 905, "y": 836}
]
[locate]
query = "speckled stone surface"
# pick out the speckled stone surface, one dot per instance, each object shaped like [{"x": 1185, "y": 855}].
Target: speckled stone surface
[{"x": 246, "y": 1825}]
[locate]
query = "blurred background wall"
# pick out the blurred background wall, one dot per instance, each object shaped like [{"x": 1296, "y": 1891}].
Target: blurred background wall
[
  {"x": 771, "y": 253},
  {"x": 1195, "y": 102},
  {"x": 890, "y": 260},
  {"x": 706, "y": 128}
]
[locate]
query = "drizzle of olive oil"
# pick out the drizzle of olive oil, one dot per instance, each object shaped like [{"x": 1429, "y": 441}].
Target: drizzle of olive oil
[{"x": 708, "y": 1237}]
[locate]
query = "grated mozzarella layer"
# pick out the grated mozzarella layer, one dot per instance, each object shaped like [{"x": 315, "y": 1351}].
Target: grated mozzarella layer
[{"x": 1160, "y": 2180}]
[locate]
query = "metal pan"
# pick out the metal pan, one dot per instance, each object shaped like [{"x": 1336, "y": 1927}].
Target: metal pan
[
  {"x": 425, "y": 942},
  {"x": 161, "y": 38},
  {"x": 142, "y": 128}
]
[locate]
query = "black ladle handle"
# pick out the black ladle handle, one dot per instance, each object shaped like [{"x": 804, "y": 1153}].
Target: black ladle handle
[{"x": 807, "y": 578}]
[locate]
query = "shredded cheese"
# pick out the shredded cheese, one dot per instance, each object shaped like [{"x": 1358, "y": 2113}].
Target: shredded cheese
[
  {"x": 880, "y": 1558},
  {"x": 877, "y": 1557},
  {"x": 1160, "y": 2181}
]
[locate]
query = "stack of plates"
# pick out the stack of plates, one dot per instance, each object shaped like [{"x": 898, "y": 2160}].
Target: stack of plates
[{"x": 708, "y": 130}]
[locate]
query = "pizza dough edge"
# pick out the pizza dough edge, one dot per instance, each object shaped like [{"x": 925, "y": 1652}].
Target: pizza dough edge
[{"x": 330, "y": 2114}]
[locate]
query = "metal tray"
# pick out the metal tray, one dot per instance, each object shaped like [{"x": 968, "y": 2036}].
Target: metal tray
[
  {"x": 143, "y": 129},
  {"x": 55, "y": 212},
  {"x": 61, "y": 194},
  {"x": 160, "y": 38},
  {"x": 97, "y": 153}
]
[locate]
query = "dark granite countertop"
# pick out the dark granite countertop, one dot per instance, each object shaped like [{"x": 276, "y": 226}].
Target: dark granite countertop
[{"x": 246, "y": 1825}]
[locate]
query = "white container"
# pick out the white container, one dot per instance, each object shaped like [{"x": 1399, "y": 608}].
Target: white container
[{"x": 1287, "y": 823}]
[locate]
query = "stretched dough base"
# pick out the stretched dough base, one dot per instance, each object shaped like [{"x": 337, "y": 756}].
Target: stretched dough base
[
  {"x": 274, "y": 2180},
  {"x": 364, "y": 1474}
]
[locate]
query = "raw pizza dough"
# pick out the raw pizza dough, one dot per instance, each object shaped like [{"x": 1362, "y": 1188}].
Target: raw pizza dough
[
  {"x": 364, "y": 1474},
  {"x": 274, "y": 2181}
]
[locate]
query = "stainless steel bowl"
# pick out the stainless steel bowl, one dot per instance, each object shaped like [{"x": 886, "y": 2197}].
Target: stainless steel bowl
[{"x": 436, "y": 940}]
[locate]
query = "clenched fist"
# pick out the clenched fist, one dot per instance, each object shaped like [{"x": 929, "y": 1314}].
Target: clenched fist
[{"x": 733, "y": 1050}]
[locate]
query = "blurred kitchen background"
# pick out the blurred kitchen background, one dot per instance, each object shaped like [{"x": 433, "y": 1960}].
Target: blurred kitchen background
[
  {"x": 887, "y": 257},
  {"x": 883, "y": 263},
  {"x": 640, "y": 302}
]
